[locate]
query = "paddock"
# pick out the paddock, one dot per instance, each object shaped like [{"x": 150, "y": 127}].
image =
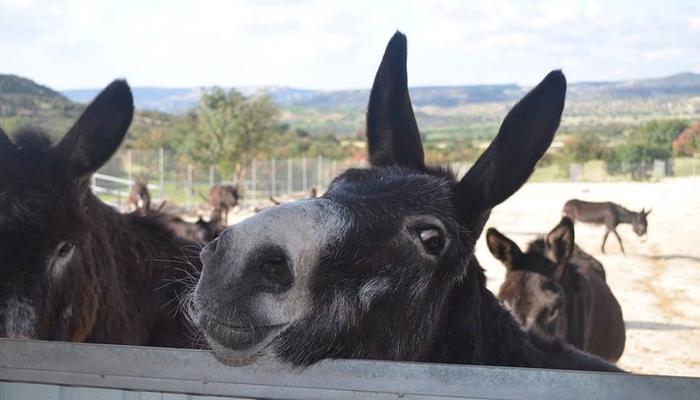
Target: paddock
[{"x": 656, "y": 283}]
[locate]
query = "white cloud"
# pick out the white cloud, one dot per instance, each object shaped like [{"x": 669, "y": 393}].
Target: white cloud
[{"x": 335, "y": 44}]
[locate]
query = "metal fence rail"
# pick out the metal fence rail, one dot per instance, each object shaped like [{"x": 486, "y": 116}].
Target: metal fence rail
[{"x": 197, "y": 373}]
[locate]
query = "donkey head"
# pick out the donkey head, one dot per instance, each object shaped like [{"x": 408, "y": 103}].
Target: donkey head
[
  {"x": 639, "y": 222},
  {"x": 532, "y": 289},
  {"x": 43, "y": 223},
  {"x": 364, "y": 270}
]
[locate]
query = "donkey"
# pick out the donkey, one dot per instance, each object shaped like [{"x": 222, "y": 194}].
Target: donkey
[
  {"x": 558, "y": 291},
  {"x": 222, "y": 198},
  {"x": 73, "y": 268},
  {"x": 382, "y": 265},
  {"x": 139, "y": 196},
  {"x": 200, "y": 232},
  {"x": 608, "y": 214}
]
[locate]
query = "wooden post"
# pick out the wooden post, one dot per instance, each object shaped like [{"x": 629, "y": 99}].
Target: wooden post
[
  {"x": 304, "y": 175},
  {"x": 161, "y": 171},
  {"x": 130, "y": 164},
  {"x": 289, "y": 175},
  {"x": 273, "y": 177},
  {"x": 189, "y": 185}
]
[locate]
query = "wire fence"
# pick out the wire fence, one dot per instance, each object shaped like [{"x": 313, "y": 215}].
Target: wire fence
[{"x": 172, "y": 178}]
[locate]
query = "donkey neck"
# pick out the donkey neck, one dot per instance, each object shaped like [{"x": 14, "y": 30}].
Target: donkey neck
[
  {"x": 476, "y": 329},
  {"x": 624, "y": 215},
  {"x": 123, "y": 251}
]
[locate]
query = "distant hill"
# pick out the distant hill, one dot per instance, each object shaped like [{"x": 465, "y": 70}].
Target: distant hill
[
  {"x": 686, "y": 84},
  {"x": 442, "y": 111},
  {"x": 17, "y": 85},
  {"x": 182, "y": 99},
  {"x": 177, "y": 100},
  {"x": 148, "y": 98},
  {"x": 24, "y": 103}
]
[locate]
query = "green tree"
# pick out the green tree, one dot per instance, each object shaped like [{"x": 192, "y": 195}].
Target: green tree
[
  {"x": 228, "y": 130},
  {"x": 652, "y": 140},
  {"x": 582, "y": 147},
  {"x": 657, "y": 136},
  {"x": 688, "y": 142}
]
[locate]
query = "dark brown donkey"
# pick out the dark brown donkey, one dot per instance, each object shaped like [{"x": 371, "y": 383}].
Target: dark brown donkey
[
  {"x": 382, "y": 265},
  {"x": 608, "y": 214},
  {"x": 558, "y": 291},
  {"x": 222, "y": 198},
  {"x": 72, "y": 267},
  {"x": 200, "y": 232},
  {"x": 139, "y": 196}
]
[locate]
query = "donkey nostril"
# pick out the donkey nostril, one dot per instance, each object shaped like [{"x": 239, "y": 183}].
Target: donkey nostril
[{"x": 277, "y": 272}]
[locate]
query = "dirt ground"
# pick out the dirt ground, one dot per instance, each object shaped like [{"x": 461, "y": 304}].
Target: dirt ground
[{"x": 657, "y": 283}]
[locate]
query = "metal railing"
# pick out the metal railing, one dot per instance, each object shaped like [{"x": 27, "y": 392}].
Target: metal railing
[{"x": 70, "y": 367}]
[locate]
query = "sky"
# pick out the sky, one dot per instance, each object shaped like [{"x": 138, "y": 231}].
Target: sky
[{"x": 328, "y": 44}]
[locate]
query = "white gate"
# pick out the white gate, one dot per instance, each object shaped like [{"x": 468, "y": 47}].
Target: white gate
[{"x": 56, "y": 370}]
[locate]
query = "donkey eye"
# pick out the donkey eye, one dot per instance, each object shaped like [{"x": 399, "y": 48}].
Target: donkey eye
[
  {"x": 65, "y": 248},
  {"x": 432, "y": 240}
]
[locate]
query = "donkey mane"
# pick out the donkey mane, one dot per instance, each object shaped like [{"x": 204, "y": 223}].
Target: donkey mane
[
  {"x": 32, "y": 140},
  {"x": 33, "y": 151}
]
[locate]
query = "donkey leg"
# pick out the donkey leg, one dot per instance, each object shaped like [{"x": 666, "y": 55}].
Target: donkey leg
[
  {"x": 619, "y": 240},
  {"x": 605, "y": 238}
]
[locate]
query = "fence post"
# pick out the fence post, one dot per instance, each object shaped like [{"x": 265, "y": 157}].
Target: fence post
[
  {"x": 254, "y": 176},
  {"x": 289, "y": 175},
  {"x": 130, "y": 166},
  {"x": 189, "y": 185},
  {"x": 334, "y": 169},
  {"x": 273, "y": 176},
  {"x": 161, "y": 172},
  {"x": 695, "y": 157},
  {"x": 319, "y": 171},
  {"x": 211, "y": 175},
  {"x": 304, "y": 175}
]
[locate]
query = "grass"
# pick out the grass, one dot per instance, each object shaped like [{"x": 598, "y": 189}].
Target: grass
[{"x": 683, "y": 166}]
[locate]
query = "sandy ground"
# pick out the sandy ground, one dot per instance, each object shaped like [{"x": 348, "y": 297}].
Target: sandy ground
[{"x": 657, "y": 282}]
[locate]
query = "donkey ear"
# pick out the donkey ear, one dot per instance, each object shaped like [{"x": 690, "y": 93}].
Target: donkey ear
[
  {"x": 646, "y": 212},
  {"x": 502, "y": 248},
  {"x": 392, "y": 133},
  {"x": 560, "y": 241},
  {"x": 99, "y": 131},
  {"x": 524, "y": 136}
]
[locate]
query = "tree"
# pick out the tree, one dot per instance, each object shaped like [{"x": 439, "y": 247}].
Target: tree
[
  {"x": 657, "y": 136},
  {"x": 582, "y": 147},
  {"x": 228, "y": 130},
  {"x": 653, "y": 140},
  {"x": 688, "y": 142}
]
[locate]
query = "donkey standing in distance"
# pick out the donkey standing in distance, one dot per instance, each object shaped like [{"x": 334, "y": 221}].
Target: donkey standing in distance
[
  {"x": 382, "y": 265},
  {"x": 222, "y": 198},
  {"x": 139, "y": 196},
  {"x": 200, "y": 232},
  {"x": 73, "y": 268},
  {"x": 557, "y": 290},
  {"x": 608, "y": 214}
]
